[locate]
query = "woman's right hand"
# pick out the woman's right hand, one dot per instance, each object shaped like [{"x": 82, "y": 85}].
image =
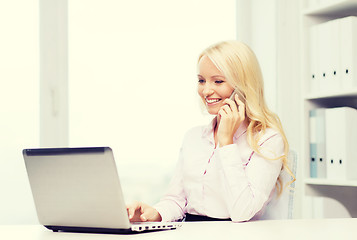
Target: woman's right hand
[{"x": 141, "y": 212}]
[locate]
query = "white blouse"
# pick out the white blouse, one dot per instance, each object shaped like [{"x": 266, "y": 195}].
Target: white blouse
[{"x": 224, "y": 182}]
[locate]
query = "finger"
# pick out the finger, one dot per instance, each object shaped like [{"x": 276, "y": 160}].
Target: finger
[
  {"x": 241, "y": 108},
  {"x": 143, "y": 217},
  {"x": 229, "y": 111},
  {"x": 148, "y": 215},
  {"x": 232, "y": 104},
  {"x": 131, "y": 213},
  {"x": 242, "y": 111},
  {"x": 128, "y": 211},
  {"x": 146, "y": 212},
  {"x": 226, "y": 110},
  {"x": 222, "y": 113},
  {"x": 132, "y": 208},
  {"x": 238, "y": 101}
]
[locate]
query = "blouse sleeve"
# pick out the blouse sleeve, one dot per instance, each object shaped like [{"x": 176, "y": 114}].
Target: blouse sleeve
[
  {"x": 172, "y": 204},
  {"x": 248, "y": 186}
]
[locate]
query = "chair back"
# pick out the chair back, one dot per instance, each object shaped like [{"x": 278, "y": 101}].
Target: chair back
[{"x": 281, "y": 207}]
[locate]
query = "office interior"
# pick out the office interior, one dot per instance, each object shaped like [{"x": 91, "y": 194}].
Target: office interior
[{"x": 123, "y": 74}]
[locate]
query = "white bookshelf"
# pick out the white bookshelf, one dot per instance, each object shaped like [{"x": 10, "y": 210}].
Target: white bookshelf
[
  {"x": 339, "y": 8},
  {"x": 329, "y": 182},
  {"x": 344, "y": 191},
  {"x": 334, "y": 94}
]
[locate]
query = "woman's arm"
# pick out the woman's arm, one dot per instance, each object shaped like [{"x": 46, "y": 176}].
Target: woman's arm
[
  {"x": 247, "y": 188},
  {"x": 171, "y": 206}
]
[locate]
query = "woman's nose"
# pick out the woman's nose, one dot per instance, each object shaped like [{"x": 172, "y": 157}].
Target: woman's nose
[{"x": 207, "y": 90}]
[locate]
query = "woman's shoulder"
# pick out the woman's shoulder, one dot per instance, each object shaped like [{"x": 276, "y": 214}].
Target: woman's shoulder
[
  {"x": 196, "y": 131},
  {"x": 270, "y": 133},
  {"x": 202, "y": 130},
  {"x": 193, "y": 136}
]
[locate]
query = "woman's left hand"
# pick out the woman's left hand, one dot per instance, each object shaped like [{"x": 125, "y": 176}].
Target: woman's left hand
[{"x": 231, "y": 115}]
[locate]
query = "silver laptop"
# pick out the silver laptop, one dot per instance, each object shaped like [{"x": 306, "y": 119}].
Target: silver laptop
[{"x": 78, "y": 190}]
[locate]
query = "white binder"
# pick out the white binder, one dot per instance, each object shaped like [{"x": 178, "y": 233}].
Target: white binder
[
  {"x": 334, "y": 67},
  {"x": 312, "y": 144},
  {"x": 328, "y": 51},
  {"x": 324, "y": 57},
  {"x": 341, "y": 137},
  {"x": 314, "y": 63},
  {"x": 320, "y": 143},
  {"x": 348, "y": 53}
]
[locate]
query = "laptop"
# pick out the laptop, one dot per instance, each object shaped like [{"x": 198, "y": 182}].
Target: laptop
[{"x": 78, "y": 190}]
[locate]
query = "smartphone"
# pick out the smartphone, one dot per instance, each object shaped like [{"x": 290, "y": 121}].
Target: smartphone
[{"x": 239, "y": 96}]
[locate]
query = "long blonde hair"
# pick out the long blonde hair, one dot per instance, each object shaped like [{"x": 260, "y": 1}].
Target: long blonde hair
[{"x": 241, "y": 69}]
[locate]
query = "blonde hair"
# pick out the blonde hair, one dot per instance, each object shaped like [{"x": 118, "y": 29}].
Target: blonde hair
[{"x": 241, "y": 69}]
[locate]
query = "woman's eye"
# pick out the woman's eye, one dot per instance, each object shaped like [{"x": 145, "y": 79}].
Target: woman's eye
[
  {"x": 219, "y": 81},
  {"x": 201, "y": 81}
]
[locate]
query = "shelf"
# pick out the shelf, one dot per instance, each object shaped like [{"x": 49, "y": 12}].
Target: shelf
[
  {"x": 347, "y": 93},
  {"x": 329, "y": 182},
  {"x": 341, "y": 8},
  {"x": 343, "y": 191}
]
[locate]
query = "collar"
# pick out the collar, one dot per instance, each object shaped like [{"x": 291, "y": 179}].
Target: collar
[{"x": 209, "y": 129}]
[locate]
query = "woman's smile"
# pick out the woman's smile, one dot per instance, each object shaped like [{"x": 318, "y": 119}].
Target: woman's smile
[{"x": 213, "y": 101}]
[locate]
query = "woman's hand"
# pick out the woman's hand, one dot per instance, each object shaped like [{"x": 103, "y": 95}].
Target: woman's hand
[
  {"x": 230, "y": 116},
  {"x": 141, "y": 212}
]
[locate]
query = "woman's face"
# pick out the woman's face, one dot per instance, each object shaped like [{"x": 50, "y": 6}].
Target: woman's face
[{"x": 213, "y": 87}]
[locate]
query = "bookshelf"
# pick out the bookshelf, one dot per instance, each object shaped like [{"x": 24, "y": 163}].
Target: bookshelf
[
  {"x": 331, "y": 8},
  {"x": 333, "y": 94},
  {"x": 328, "y": 182},
  {"x": 344, "y": 191}
]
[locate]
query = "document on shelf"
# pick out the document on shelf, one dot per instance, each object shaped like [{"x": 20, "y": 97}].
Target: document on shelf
[{"x": 341, "y": 137}]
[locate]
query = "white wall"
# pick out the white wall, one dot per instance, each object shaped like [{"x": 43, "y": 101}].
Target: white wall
[
  {"x": 257, "y": 26},
  {"x": 19, "y": 106},
  {"x": 132, "y": 80}
]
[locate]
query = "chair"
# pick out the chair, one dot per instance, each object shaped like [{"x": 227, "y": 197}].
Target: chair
[{"x": 281, "y": 207}]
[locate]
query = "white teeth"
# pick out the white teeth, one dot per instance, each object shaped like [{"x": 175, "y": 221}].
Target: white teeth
[{"x": 212, "y": 100}]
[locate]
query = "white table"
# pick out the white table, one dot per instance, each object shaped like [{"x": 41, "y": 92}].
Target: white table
[{"x": 314, "y": 229}]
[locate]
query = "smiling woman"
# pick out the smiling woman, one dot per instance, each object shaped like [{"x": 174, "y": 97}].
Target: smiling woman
[
  {"x": 230, "y": 169},
  {"x": 213, "y": 87}
]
